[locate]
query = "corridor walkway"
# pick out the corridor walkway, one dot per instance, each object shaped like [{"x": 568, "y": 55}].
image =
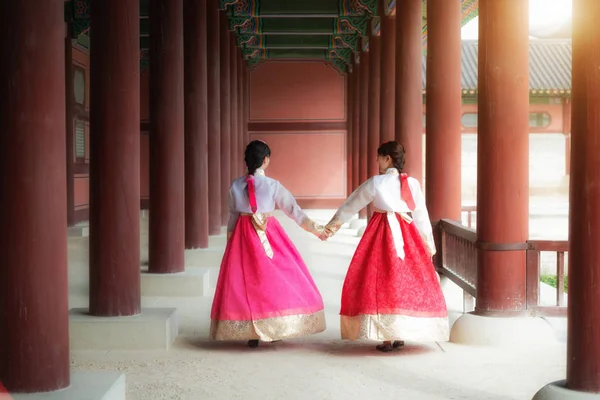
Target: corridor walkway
[{"x": 320, "y": 367}]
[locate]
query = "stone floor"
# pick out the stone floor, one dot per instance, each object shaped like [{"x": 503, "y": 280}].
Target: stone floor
[{"x": 320, "y": 367}]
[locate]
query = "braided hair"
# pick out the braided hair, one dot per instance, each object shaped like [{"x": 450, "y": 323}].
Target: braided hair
[
  {"x": 395, "y": 151},
  {"x": 255, "y": 155}
]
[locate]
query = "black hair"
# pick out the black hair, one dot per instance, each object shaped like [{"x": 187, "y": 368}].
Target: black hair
[
  {"x": 255, "y": 155},
  {"x": 396, "y": 152}
]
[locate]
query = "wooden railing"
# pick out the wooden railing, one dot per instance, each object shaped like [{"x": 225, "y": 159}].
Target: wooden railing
[
  {"x": 457, "y": 260},
  {"x": 535, "y": 250},
  {"x": 471, "y": 212}
]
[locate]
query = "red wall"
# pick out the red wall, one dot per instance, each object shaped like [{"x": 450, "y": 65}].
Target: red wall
[{"x": 298, "y": 108}]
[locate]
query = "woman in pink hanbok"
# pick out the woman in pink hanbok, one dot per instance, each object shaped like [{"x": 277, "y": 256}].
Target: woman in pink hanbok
[{"x": 264, "y": 291}]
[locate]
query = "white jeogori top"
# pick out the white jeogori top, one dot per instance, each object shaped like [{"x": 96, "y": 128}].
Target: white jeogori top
[
  {"x": 384, "y": 192},
  {"x": 270, "y": 194}
]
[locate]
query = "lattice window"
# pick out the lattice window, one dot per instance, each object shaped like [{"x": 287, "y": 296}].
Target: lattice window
[
  {"x": 536, "y": 120},
  {"x": 80, "y": 140},
  {"x": 539, "y": 120},
  {"x": 79, "y": 85},
  {"x": 469, "y": 120}
]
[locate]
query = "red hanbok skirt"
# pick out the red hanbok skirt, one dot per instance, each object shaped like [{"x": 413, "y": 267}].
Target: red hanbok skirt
[{"x": 388, "y": 298}]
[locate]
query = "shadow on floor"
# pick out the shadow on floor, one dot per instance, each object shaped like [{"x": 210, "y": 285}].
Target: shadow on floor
[{"x": 336, "y": 348}]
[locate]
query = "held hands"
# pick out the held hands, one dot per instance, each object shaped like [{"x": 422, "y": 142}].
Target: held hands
[
  {"x": 326, "y": 234},
  {"x": 312, "y": 227},
  {"x": 320, "y": 231}
]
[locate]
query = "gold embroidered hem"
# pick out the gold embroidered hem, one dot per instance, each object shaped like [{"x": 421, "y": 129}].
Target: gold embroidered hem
[
  {"x": 395, "y": 327},
  {"x": 269, "y": 329}
]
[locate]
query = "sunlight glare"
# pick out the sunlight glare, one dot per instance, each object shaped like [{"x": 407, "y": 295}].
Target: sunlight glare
[{"x": 543, "y": 14}]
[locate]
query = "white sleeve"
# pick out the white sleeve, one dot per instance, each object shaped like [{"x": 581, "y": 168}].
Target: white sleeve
[
  {"x": 358, "y": 200},
  {"x": 233, "y": 213},
  {"x": 286, "y": 202},
  {"x": 421, "y": 216}
]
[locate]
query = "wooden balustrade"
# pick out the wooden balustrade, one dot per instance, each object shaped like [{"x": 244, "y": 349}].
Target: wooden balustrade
[
  {"x": 457, "y": 260},
  {"x": 471, "y": 212},
  {"x": 535, "y": 249}
]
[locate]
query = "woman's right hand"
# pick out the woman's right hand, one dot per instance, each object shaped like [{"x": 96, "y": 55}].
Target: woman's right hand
[{"x": 327, "y": 233}]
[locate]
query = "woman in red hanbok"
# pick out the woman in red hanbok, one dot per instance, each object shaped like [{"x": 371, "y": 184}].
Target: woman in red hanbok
[
  {"x": 391, "y": 292},
  {"x": 264, "y": 291}
]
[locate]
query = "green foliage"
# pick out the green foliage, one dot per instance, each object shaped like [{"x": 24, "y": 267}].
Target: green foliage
[{"x": 551, "y": 281}]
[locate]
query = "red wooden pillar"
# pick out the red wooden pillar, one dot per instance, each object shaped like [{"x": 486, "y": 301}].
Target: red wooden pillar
[
  {"x": 503, "y": 125},
  {"x": 409, "y": 81},
  {"x": 583, "y": 349},
  {"x": 196, "y": 128},
  {"x": 243, "y": 111},
  {"x": 356, "y": 112},
  {"x": 167, "y": 201},
  {"x": 34, "y": 324},
  {"x": 374, "y": 134},
  {"x": 363, "y": 133},
  {"x": 70, "y": 136},
  {"x": 233, "y": 153},
  {"x": 388, "y": 72},
  {"x": 349, "y": 129},
  {"x": 226, "y": 122},
  {"x": 567, "y": 133},
  {"x": 243, "y": 120},
  {"x": 444, "y": 107},
  {"x": 115, "y": 158},
  {"x": 214, "y": 117},
  {"x": 247, "y": 96},
  {"x": 240, "y": 108}
]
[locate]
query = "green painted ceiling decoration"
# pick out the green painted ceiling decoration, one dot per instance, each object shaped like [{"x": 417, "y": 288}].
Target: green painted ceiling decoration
[
  {"x": 327, "y": 30},
  {"x": 287, "y": 29}
]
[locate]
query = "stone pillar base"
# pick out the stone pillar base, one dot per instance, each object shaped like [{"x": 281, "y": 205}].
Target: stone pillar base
[
  {"x": 473, "y": 329},
  {"x": 558, "y": 391},
  {"x": 206, "y": 258},
  {"x": 79, "y": 230},
  {"x": 84, "y": 385},
  {"x": 153, "y": 329},
  {"x": 358, "y": 223},
  {"x": 193, "y": 282}
]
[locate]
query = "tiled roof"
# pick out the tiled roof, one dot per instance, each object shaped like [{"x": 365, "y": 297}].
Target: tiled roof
[{"x": 549, "y": 66}]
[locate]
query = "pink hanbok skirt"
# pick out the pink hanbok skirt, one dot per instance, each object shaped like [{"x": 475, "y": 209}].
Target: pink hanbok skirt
[{"x": 261, "y": 294}]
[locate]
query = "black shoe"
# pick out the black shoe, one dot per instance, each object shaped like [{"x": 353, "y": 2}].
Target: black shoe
[
  {"x": 253, "y": 343},
  {"x": 385, "y": 348},
  {"x": 398, "y": 344}
]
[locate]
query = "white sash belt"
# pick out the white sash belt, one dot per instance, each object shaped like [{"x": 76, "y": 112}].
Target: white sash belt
[{"x": 397, "y": 231}]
